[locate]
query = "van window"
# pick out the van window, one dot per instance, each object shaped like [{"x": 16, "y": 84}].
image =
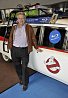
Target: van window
[
  {"x": 57, "y": 40},
  {"x": 5, "y": 32},
  {"x": 37, "y": 34},
  {"x": 0, "y": 17}
]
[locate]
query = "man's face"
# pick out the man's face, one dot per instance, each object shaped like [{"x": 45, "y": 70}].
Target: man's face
[{"x": 20, "y": 19}]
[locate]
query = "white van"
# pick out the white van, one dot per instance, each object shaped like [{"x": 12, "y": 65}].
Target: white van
[{"x": 53, "y": 60}]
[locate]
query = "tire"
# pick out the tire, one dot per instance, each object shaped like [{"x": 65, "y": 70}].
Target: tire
[{"x": 6, "y": 58}]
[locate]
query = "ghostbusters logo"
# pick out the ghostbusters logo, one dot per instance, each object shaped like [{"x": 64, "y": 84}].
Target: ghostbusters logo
[{"x": 53, "y": 65}]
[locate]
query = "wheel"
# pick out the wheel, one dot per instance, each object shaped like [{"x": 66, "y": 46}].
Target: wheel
[{"x": 6, "y": 58}]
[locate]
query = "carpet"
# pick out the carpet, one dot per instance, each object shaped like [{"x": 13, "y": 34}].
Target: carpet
[
  {"x": 40, "y": 86},
  {"x": 8, "y": 76}
]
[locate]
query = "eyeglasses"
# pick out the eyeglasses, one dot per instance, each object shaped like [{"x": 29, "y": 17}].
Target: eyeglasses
[{"x": 20, "y": 18}]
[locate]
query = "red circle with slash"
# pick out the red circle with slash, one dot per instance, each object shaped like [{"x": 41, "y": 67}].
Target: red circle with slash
[{"x": 53, "y": 65}]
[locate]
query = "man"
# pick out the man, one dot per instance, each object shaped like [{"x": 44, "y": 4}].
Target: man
[{"x": 21, "y": 40}]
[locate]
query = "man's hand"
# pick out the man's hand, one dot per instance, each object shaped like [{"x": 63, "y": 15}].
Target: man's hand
[{"x": 39, "y": 50}]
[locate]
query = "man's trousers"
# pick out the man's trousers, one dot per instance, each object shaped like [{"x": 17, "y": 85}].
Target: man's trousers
[{"x": 20, "y": 58}]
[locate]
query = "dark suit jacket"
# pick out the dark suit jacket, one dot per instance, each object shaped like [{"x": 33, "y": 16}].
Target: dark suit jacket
[{"x": 30, "y": 38}]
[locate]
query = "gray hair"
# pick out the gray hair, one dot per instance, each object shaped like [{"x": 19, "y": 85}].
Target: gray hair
[{"x": 21, "y": 13}]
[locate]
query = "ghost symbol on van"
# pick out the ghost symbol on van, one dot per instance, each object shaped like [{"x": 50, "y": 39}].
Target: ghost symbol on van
[{"x": 52, "y": 65}]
